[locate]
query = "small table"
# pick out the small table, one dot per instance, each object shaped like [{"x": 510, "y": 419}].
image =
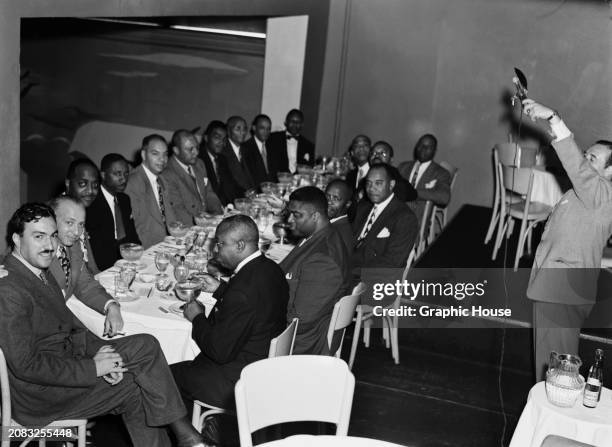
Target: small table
[
  {"x": 540, "y": 418},
  {"x": 328, "y": 441}
]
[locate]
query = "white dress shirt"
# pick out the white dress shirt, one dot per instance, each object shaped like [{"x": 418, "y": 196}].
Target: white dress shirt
[
  {"x": 246, "y": 260},
  {"x": 110, "y": 199},
  {"x": 292, "y": 145},
  {"x": 376, "y": 210},
  {"x": 153, "y": 180},
  {"x": 236, "y": 149},
  {"x": 362, "y": 172},
  {"x": 422, "y": 168}
]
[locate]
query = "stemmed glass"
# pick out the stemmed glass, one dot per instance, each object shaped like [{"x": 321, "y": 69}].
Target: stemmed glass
[{"x": 162, "y": 259}]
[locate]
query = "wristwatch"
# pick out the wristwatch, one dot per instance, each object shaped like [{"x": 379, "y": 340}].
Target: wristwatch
[{"x": 551, "y": 117}]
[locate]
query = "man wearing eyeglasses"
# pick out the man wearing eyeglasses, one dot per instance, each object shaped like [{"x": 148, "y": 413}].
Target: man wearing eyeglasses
[
  {"x": 563, "y": 282},
  {"x": 249, "y": 312}
]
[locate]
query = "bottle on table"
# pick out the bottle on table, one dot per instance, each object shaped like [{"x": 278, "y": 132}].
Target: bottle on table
[{"x": 592, "y": 389}]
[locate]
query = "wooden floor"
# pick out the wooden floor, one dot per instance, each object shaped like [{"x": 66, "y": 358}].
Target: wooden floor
[{"x": 448, "y": 389}]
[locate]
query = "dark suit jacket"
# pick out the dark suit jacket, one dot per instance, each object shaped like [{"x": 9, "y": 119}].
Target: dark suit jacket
[
  {"x": 345, "y": 230},
  {"x": 45, "y": 347},
  {"x": 238, "y": 168},
  {"x": 100, "y": 225},
  {"x": 249, "y": 312},
  {"x": 255, "y": 163},
  {"x": 392, "y": 250},
  {"x": 145, "y": 209},
  {"x": 81, "y": 282},
  {"x": 223, "y": 184},
  {"x": 318, "y": 273},
  {"x": 277, "y": 152},
  {"x": 185, "y": 199},
  {"x": 439, "y": 194}
]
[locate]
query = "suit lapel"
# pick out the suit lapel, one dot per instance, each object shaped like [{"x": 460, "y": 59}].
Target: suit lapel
[
  {"x": 153, "y": 206},
  {"x": 381, "y": 220},
  {"x": 427, "y": 176}
]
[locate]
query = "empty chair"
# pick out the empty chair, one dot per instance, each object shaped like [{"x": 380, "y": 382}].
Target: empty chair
[
  {"x": 510, "y": 154},
  {"x": 293, "y": 388},
  {"x": 342, "y": 317},
  {"x": 439, "y": 214},
  {"x": 365, "y": 317},
  {"x": 79, "y": 426},
  {"x": 424, "y": 229},
  {"x": 279, "y": 346}
]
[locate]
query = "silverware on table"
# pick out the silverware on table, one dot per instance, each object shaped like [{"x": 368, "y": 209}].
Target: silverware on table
[{"x": 163, "y": 310}]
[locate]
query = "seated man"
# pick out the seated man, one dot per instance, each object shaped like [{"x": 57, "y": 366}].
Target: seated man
[
  {"x": 185, "y": 176},
  {"x": 249, "y": 312},
  {"x": 149, "y": 195},
  {"x": 360, "y": 153},
  {"x": 431, "y": 181},
  {"x": 384, "y": 230},
  {"x": 83, "y": 184},
  {"x": 109, "y": 218},
  {"x": 317, "y": 270},
  {"x": 237, "y": 131},
  {"x": 219, "y": 175},
  {"x": 382, "y": 152},
  {"x": 339, "y": 194},
  {"x": 256, "y": 153},
  {"x": 58, "y": 369},
  {"x": 68, "y": 267}
]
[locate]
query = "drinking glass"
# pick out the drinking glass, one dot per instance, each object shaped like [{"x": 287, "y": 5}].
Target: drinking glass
[
  {"x": 163, "y": 282},
  {"x": 162, "y": 259}
]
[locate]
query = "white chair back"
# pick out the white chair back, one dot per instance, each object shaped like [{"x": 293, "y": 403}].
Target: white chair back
[
  {"x": 511, "y": 154},
  {"x": 342, "y": 317},
  {"x": 283, "y": 344},
  {"x": 293, "y": 388},
  {"x": 5, "y": 409}
]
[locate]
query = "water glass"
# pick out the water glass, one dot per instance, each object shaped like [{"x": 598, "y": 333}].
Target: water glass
[
  {"x": 162, "y": 259},
  {"x": 163, "y": 282}
]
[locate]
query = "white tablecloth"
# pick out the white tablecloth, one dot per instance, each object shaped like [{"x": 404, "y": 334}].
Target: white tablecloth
[
  {"x": 545, "y": 187},
  {"x": 540, "y": 418},
  {"x": 143, "y": 316},
  {"x": 328, "y": 441}
]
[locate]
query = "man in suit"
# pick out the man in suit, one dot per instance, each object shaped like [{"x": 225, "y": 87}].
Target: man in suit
[
  {"x": 83, "y": 184},
  {"x": 382, "y": 152},
  {"x": 249, "y": 312},
  {"x": 563, "y": 282},
  {"x": 339, "y": 195},
  {"x": 360, "y": 154},
  {"x": 59, "y": 370},
  {"x": 317, "y": 270},
  {"x": 234, "y": 153},
  {"x": 256, "y": 153},
  {"x": 219, "y": 175},
  {"x": 185, "y": 176},
  {"x": 109, "y": 219},
  {"x": 148, "y": 193},
  {"x": 290, "y": 148},
  {"x": 431, "y": 181},
  {"x": 384, "y": 228}
]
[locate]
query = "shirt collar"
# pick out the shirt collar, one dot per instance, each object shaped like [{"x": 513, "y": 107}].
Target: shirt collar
[
  {"x": 152, "y": 177},
  {"x": 246, "y": 260},
  {"x": 110, "y": 198},
  {"x": 364, "y": 168},
  {"x": 424, "y": 165},
  {"x": 258, "y": 142},
  {"x": 382, "y": 205},
  {"x": 29, "y": 266},
  {"x": 336, "y": 219},
  {"x": 182, "y": 165}
]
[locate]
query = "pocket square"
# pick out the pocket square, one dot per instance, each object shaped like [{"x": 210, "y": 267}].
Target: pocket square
[
  {"x": 383, "y": 233},
  {"x": 307, "y": 157},
  {"x": 431, "y": 184},
  {"x": 289, "y": 275}
]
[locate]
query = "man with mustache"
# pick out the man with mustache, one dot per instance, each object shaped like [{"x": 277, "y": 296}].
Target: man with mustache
[
  {"x": 83, "y": 184},
  {"x": 109, "y": 219},
  {"x": 58, "y": 369}
]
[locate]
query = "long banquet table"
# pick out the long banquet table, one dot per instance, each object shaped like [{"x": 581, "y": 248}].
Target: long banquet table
[{"x": 145, "y": 315}]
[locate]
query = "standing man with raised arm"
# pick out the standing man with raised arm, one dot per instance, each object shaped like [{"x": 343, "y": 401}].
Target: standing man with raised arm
[{"x": 563, "y": 282}]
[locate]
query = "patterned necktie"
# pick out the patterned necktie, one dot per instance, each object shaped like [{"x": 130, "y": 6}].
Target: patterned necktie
[
  {"x": 160, "y": 192},
  {"x": 43, "y": 278},
  {"x": 370, "y": 222},
  {"x": 65, "y": 263},
  {"x": 119, "y": 228},
  {"x": 195, "y": 181},
  {"x": 415, "y": 174}
]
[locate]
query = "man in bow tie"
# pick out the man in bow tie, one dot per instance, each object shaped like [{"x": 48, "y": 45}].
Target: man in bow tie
[
  {"x": 384, "y": 229},
  {"x": 290, "y": 148},
  {"x": 317, "y": 270}
]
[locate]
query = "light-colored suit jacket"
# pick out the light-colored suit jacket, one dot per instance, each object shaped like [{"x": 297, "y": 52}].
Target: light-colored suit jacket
[
  {"x": 185, "y": 200},
  {"x": 439, "y": 193},
  {"x": 568, "y": 258},
  {"x": 81, "y": 282},
  {"x": 318, "y": 274},
  {"x": 145, "y": 208}
]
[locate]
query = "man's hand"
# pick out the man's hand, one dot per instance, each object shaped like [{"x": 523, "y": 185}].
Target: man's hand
[
  {"x": 192, "y": 309},
  {"x": 114, "y": 322},
  {"x": 113, "y": 378},
  {"x": 209, "y": 283},
  {"x": 108, "y": 361},
  {"x": 3, "y": 271},
  {"x": 538, "y": 111}
]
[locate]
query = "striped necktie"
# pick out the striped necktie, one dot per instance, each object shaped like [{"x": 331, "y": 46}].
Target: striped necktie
[
  {"x": 415, "y": 173},
  {"x": 65, "y": 263},
  {"x": 43, "y": 277},
  {"x": 370, "y": 222}
]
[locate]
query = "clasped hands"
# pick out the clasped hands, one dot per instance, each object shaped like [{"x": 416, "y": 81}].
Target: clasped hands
[{"x": 109, "y": 365}]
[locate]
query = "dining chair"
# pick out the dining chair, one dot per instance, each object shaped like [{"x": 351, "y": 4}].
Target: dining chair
[
  {"x": 560, "y": 441},
  {"x": 439, "y": 213},
  {"x": 518, "y": 180},
  {"x": 342, "y": 317},
  {"x": 510, "y": 154},
  {"x": 293, "y": 388},
  {"x": 424, "y": 228},
  {"x": 365, "y": 316},
  {"x": 279, "y": 346},
  {"x": 78, "y": 425}
]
